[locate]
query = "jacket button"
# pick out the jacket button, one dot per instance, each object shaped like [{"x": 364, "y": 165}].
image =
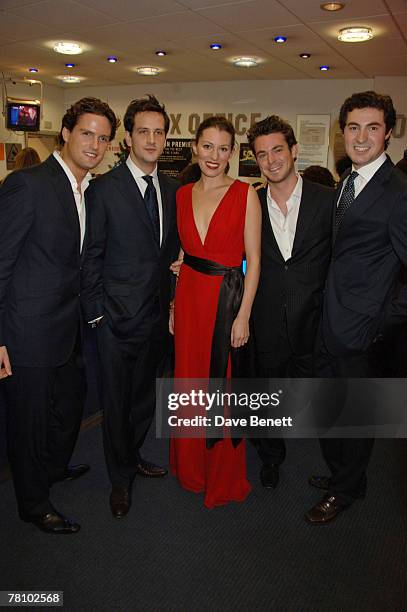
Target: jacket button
[{"x": 285, "y": 267}]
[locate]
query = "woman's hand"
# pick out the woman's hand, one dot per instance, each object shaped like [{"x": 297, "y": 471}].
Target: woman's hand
[
  {"x": 240, "y": 331},
  {"x": 171, "y": 319}
]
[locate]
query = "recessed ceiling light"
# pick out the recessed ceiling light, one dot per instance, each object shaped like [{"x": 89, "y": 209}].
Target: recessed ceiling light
[
  {"x": 112, "y": 59},
  {"x": 324, "y": 68},
  {"x": 33, "y": 70},
  {"x": 280, "y": 39},
  {"x": 148, "y": 70},
  {"x": 332, "y": 6},
  {"x": 216, "y": 46},
  {"x": 67, "y": 78},
  {"x": 245, "y": 62},
  {"x": 353, "y": 35},
  {"x": 305, "y": 55},
  {"x": 161, "y": 53},
  {"x": 70, "y": 65},
  {"x": 68, "y": 48}
]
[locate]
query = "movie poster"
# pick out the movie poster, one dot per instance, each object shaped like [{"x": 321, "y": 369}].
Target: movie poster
[
  {"x": 176, "y": 156},
  {"x": 247, "y": 162}
]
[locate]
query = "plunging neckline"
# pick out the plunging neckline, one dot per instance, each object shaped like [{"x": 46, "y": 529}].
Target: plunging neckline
[{"x": 212, "y": 216}]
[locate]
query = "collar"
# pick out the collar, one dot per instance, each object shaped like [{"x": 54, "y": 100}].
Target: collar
[
  {"x": 74, "y": 183},
  {"x": 295, "y": 195},
  {"x": 136, "y": 172},
  {"x": 367, "y": 172}
]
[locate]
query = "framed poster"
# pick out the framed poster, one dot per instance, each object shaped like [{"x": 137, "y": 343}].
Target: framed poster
[{"x": 313, "y": 140}]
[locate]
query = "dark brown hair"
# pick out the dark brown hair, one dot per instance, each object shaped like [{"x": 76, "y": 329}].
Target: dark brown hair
[
  {"x": 369, "y": 99},
  {"x": 271, "y": 125},
  {"x": 219, "y": 122},
  {"x": 143, "y": 105},
  {"x": 320, "y": 175},
  {"x": 94, "y": 106},
  {"x": 26, "y": 158}
]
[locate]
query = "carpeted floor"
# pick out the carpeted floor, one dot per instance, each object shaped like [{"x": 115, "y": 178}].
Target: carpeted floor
[{"x": 171, "y": 554}]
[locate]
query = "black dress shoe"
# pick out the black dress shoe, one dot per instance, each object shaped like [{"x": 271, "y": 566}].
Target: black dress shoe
[
  {"x": 73, "y": 472},
  {"x": 150, "y": 470},
  {"x": 120, "y": 501},
  {"x": 326, "y": 510},
  {"x": 269, "y": 476},
  {"x": 53, "y": 522},
  {"x": 323, "y": 482}
]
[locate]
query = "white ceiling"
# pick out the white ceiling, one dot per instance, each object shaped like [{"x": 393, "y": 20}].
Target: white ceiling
[{"x": 134, "y": 29}]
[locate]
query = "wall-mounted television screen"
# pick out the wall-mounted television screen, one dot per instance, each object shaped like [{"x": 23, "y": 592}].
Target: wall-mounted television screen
[{"x": 23, "y": 115}]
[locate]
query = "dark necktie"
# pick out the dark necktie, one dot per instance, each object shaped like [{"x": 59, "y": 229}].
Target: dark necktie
[
  {"x": 347, "y": 197},
  {"x": 150, "y": 198}
]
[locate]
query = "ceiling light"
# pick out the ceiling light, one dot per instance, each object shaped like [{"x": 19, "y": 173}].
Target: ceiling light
[
  {"x": 33, "y": 70},
  {"x": 216, "y": 46},
  {"x": 245, "y": 62},
  {"x": 67, "y": 78},
  {"x": 161, "y": 53},
  {"x": 332, "y": 6},
  {"x": 280, "y": 39},
  {"x": 305, "y": 55},
  {"x": 353, "y": 35},
  {"x": 324, "y": 68},
  {"x": 112, "y": 59},
  {"x": 69, "y": 48},
  {"x": 148, "y": 70},
  {"x": 69, "y": 65}
]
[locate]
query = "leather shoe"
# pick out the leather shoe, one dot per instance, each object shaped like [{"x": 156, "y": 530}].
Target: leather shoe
[
  {"x": 120, "y": 502},
  {"x": 269, "y": 476},
  {"x": 323, "y": 482},
  {"x": 53, "y": 522},
  {"x": 326, "y": 510},
  {"x": 73, "y": 472},
  {"x": 150, "y": 470}
]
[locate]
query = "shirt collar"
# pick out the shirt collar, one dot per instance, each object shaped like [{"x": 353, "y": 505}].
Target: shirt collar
[
  {"x": 295, "y": 196},
  {"x": 74, "y": 183},
  {"x": 367, "y": 172},
  {"x": 136, "y": 172}
]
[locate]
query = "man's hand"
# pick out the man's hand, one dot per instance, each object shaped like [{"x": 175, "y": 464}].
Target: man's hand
[
  {"x": 5, "y": 366},
  {"x": 171, "y": 319},
  {"x": 176, "y": 266}
]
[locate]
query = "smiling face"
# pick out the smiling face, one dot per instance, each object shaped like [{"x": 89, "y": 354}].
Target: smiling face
[
  {"x": 147, "y": 140},
  {"x": 365, "y": 135},
  {"x": 213, "y": 151},
  {"x": 86, "y": 144},
  {"x": 275, "y": 158}
]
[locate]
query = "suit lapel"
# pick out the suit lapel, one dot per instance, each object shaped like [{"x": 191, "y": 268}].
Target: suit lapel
[
  {"x": 267, "y": 229},
  {"x": 63, "y": 189},
  {"x": 306, "y": 214},
  {"x": 166, "y": 206}
]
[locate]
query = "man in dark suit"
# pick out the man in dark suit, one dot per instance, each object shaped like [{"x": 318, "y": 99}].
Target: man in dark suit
[
  {"x": 369, "y": 245},
  {"x": 132, "y": 242},
  {"x": 296, "y": 250},
  {"x": 42, "y": 225}
]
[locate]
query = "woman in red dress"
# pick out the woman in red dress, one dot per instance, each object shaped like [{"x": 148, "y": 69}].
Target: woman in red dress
[{"x": 219, "y": 220}]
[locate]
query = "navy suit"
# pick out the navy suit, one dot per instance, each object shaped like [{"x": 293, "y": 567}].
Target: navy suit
[
  {"x": 40, "y": 326},
  {"x": 126, "y": 279}
]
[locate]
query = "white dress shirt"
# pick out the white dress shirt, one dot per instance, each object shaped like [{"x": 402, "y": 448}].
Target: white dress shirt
[
  {"x": 284, "y": 226},
  {"x": 78, "y": 192},
  {"x": 142, "y": 185},
  {"x": 365, "y": 173}
]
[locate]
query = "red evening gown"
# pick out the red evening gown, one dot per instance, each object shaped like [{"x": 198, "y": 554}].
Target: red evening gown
[{"x": 219, "y": 472}]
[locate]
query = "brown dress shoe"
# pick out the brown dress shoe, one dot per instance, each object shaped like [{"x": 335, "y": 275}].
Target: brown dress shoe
[
  {"x": 326, "y": 510},
  {"x": 150, "y": 470},
  {"x": 53, "y": 522},
  {"x": 120, "y": 502}
]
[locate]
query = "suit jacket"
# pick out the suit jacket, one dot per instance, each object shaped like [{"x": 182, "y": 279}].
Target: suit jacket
[
  {"x": 39, "y": 266},
  {"x": 288, "y": 303},
  {"x": 125, "y": 272},
  {"x": 368, "y": 250}
]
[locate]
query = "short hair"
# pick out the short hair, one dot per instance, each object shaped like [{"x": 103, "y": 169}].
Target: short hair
[
  {"x": 142, "y": 105},
  {"x": 369, "y": 99},
  {"x": 93, "y": 106},
  {"x": 26, "y": 158},
  {"x": 221, "y": 123},
  {"x": 320, "y": 175},
  {"x": 342, "y": 164},
  {"x": 273, "y": 124}
]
